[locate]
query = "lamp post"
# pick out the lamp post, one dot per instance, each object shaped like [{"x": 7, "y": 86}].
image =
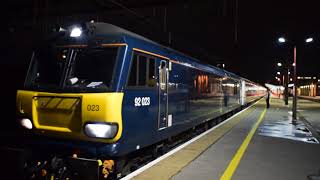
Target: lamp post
[{"x": 294, "y": 101}]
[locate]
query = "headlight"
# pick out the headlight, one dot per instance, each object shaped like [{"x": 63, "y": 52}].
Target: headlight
[
  {"x": 75, "y": 32},
  {"x": 101, "y": 130},
  {"x": 26, "y": 123}
]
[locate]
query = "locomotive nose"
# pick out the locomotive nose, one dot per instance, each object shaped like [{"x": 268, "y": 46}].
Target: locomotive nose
[{"x": 86, "y": 116}]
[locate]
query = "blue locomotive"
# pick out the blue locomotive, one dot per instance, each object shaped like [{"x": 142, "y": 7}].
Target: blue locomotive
[{"x": 97, "y": 95}]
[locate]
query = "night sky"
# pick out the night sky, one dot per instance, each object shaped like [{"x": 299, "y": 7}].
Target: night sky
[{"x": 240, "y": 34}]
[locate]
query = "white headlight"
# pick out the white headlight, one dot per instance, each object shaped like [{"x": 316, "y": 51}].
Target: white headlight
[
  {"x": 101, "y": 130},
  {"x": 26, "y": 123},
  {"x": 75, "y": 32}
]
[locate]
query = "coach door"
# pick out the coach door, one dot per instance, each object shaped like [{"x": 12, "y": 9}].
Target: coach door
[{"x": 163, "y": 94}]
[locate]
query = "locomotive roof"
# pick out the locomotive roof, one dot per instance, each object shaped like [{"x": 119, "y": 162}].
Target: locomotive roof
[{"x": 106, "y": 28}]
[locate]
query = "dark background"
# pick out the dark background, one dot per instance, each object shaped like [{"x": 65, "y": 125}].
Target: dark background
[{"x": 241, "y": 34}]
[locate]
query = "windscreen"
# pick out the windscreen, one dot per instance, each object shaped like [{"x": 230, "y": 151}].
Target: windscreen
[
  {"x": 92, "y": 68},
  {"x": 72, "y": 69}
]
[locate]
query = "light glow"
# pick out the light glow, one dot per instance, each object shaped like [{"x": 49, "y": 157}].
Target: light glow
[
  {"x": 75, "y": 32},
  {"x": 101, "y": 130},
  {"x": 282, "y": 40},
  {"x": 308, "y": 40},
  {"x": 26, "y": 123},
  {"x": 279, "y": 64},
  {"x": 278, "y": 73}
]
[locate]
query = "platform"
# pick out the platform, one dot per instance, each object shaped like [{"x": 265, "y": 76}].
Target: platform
[{"x": 257, "y": 143}]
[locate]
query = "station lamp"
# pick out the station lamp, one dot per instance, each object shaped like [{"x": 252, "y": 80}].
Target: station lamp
[
  {"x": 282, "y": 40},
  {"x": 308, "y": 40}
]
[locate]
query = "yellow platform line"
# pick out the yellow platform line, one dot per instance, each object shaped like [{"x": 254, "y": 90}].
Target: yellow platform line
[
  {"x": 237, "y": 158},
  {"x": 173, "y": 164}
]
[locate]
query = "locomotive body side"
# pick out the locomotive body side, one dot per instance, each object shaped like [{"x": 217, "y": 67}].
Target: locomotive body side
[{"x": 192, "y": 93}]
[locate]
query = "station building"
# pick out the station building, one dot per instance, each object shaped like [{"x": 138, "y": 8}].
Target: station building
[{"x": 308, "y": 86}]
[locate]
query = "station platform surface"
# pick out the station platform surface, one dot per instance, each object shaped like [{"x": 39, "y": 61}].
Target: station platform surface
[{"x": 257, "y": 143}]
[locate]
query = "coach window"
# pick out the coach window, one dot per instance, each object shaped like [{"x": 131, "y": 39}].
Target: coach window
[
  {"x": 142, "y": 73},
  {"x": 236, "y": 85},
  {"x": 151, "y": 78}
]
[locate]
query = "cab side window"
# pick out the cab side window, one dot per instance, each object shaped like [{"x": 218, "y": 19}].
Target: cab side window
[{"x": 142, "y": 71}]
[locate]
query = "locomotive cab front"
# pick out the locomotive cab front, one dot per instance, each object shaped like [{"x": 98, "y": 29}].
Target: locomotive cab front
[{"x": 70, "y": 90}]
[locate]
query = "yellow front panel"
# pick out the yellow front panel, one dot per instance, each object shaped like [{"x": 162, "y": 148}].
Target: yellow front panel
[
  {"x": 63, "y": 115},
  {"x": 57, "y": 113}
]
